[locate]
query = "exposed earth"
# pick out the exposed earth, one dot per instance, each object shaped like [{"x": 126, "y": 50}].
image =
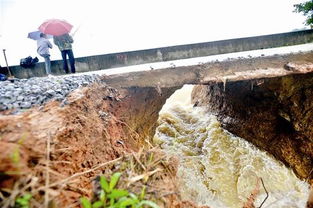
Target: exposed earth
[{"x": 55, "y": 151}]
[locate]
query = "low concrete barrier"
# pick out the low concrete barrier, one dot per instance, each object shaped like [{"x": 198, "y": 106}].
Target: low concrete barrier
[{"x": 113, "y": 60}]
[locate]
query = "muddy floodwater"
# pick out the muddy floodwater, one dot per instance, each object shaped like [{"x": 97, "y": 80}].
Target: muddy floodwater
[{"x": 217, "y": 168}]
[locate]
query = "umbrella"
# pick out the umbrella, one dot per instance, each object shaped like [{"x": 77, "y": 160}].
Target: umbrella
[
  {"x": 55, "y": 27},
  {"x": 36, "y": 35}
]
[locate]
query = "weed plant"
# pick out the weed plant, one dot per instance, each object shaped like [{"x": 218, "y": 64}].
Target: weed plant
[{"x": 111, "y": 197}]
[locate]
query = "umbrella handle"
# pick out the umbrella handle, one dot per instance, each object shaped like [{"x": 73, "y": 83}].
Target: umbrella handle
[{"x": 75, "y": 31}]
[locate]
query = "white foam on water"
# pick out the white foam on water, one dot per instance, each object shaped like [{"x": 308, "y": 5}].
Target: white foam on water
[{"x": 217, "y": 168}]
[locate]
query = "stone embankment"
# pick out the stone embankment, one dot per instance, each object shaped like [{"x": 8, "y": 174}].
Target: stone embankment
[{"x": 21, "y": 94}]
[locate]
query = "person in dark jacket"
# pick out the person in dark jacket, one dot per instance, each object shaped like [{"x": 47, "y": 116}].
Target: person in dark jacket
[{"x": 64, "y": 42}]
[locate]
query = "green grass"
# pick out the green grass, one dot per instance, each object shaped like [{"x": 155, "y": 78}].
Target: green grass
[
  {"x": 111, "y": 197},
  {"x": 23, "y": 201}
]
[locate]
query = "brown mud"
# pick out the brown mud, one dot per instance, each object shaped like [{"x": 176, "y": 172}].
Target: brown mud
[{"x": 55, "y": 151}]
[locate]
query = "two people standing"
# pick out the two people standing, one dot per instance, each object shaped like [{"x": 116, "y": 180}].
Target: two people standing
[{"x": 64, "y": 43}]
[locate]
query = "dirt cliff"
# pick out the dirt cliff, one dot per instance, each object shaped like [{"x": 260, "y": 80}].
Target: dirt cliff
[
  {"x": 275, "y": 114},
  {"x": 55, "y": 151}
]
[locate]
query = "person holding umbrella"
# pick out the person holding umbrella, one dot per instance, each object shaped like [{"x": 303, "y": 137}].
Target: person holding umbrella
[
  {"x": 64, "y": 43},
  {"x": 43, "y": 45},
  {"x": 60, "y": 30}
]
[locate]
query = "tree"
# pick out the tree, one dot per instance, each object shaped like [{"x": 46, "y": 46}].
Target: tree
[{"x": 307, "y": 9}]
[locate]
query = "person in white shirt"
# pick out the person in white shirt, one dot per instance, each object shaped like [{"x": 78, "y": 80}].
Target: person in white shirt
[{"x": 43, "y": 45}]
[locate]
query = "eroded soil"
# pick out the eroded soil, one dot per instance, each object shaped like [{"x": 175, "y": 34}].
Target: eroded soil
[{"x": 55, "y": 152}]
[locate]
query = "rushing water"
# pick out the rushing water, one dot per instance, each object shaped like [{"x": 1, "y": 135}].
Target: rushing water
[{"x": 217, "y": 168}]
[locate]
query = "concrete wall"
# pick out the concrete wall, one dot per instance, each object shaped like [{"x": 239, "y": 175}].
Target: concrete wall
[
  {"x": 106, "y": 61},
  {"x": 236, "y": 69}
]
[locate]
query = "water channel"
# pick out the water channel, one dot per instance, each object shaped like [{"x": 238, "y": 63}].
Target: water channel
[{"x": 217, "y": 168}]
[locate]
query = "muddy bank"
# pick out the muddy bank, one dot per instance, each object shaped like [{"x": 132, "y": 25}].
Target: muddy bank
[
  {"x": 275, "y": 114},
  {"x": 71, "y": 144}
]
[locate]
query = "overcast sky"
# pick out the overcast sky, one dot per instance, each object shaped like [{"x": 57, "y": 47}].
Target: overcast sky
[{"x": 107, "y": 26}]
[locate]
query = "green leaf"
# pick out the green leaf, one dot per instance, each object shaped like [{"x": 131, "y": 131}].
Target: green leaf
[
  {"x": 27, "y": 197},
  {"x": 133, "y": 196},
  {"x": 114, "y": 179},
  {"x": 127, "y": 202},
  {"x": 112, "y": 201},
  {"x": 85, "y": 202},
  {"x": 21, "y": 201},
  {"x": 102, "y": 196},
  {"x": 118, "y": 193},
  {"x": 118, "y": 203},
  {"x": 97, "y": 204},
  {"x": 143, "y": 193},
  {"x": 104, "y": 184},
  {"x": 149, "y": 203}
]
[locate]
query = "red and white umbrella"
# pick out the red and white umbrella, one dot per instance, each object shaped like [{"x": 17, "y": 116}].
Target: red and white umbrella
[{"x": 55, "y": 27}]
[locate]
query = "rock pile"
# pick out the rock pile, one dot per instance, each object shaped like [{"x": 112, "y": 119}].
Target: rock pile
[{"x": 19, "y": 94}]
